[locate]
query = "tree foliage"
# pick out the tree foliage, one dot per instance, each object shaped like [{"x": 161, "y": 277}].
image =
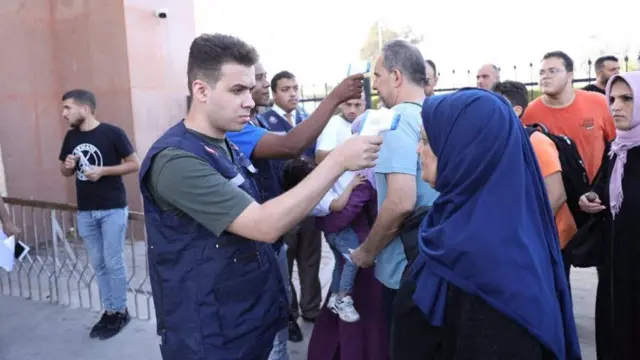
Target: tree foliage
[{"x": 371, "y": 48}]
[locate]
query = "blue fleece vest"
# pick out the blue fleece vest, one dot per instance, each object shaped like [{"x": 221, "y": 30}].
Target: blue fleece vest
[{"x": 216, "y": 297}]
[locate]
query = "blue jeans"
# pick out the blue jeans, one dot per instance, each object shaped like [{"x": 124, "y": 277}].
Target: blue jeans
[
  {"x": 341, "y": 242},
  {"x": 103, "y": 233},
  {"x": 279, "y": 351}
]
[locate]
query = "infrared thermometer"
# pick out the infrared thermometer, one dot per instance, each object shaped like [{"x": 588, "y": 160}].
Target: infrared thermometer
[
  {"x": 375, "y": 122},
  {"x": 360, "y": 67}
]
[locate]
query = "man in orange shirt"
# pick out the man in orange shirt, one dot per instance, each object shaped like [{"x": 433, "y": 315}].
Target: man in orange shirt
[
  {"x": 580, "y": 115},
  {"x": 549, "y": 162}
]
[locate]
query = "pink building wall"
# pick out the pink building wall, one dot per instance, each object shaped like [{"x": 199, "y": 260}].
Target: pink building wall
[{"x": 132, "y": 60}]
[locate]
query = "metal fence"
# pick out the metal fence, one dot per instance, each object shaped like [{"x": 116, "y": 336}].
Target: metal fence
[
  {"x": 312, "y": 95},
  {"x": 56, "y": 269}
]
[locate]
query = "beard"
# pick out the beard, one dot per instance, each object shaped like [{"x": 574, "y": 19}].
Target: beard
[{"x": 77, "y": 123}]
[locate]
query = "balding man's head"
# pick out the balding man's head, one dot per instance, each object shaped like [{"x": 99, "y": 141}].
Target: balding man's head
[
  {"x": 487, "y": 76},
  {"x": 432, "y": 78}
]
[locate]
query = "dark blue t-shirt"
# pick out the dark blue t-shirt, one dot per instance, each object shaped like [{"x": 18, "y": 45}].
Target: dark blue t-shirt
[{"x": 105, "y": 145}]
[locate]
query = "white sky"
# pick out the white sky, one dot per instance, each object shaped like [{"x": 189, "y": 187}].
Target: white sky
[{"x": 317, "y": 39}]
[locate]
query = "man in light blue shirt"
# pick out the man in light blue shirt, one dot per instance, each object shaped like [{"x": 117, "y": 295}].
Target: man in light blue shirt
[{"x": 400, "y": 78}]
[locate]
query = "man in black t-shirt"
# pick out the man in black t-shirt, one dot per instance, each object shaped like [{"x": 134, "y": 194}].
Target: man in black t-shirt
[
  {"x": 98, "y": 154},
  {"x": 606, "y": 67}
]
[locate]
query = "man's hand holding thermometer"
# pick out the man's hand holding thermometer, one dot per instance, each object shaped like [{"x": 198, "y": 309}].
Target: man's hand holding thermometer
[{"x": 375, "y": 122}]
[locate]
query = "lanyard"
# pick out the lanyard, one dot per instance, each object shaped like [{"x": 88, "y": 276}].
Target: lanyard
[{"x": 414, "y": 103}]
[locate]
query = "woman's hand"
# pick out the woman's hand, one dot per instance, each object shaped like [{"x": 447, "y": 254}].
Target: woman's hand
[{"x": 590, "y": 203}]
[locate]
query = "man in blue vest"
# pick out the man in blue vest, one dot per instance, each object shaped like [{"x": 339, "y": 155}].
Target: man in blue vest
[
  {"x": 304, "y": 242},
  {"x": 216, "y": 286},
  {"x": 267, "y": 141}
]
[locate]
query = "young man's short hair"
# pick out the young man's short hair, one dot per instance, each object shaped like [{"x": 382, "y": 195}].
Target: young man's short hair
[
  {"x": 599, "y": 64},
  {"x": 81, "y": 97},
  {"x": 295, "y": 170},
  {"x": 566, "y": 59},
  {"x": 279, "y": 76},
  {"x": 514, "y": 91},
  {"x": 208, "y": 53}
]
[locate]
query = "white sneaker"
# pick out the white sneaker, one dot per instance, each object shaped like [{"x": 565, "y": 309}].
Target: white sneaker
[
  {"x": 331, "y": 304},
  {"x": 346, "y": 311}
]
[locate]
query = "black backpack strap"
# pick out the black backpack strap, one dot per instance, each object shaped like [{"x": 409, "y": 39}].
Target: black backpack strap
[
  {"x": 540, "y": 127},
  {"x": 409, "y": 233},
  {"x": 530, "y": 130},
  {"x": 603, "y": 164},
  {"x": 409, "y": 230}
]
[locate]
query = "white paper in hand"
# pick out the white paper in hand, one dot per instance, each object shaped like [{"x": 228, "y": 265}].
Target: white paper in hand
[
  {"x": 7, "y": 248},
  {"x": 348, "y": 256}
]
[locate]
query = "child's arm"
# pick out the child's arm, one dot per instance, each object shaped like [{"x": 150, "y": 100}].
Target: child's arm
[
  {"x": 339, "y": 203},
  {"x": 323, "y": 208},
  {"x": 361, "y": 196}
]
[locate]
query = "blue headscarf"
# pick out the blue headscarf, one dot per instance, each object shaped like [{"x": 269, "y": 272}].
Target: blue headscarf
[{"x": 491, "y": 231}]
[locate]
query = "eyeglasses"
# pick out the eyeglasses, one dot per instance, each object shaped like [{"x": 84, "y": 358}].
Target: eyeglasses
[{"x": 550, "y": 71}]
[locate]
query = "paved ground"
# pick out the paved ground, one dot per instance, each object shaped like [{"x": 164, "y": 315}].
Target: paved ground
[{"x": 39, "y": 330}]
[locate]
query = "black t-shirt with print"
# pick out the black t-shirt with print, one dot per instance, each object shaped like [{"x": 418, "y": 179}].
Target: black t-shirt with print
[
  {"x": 105, "y": 145},
  {"x": 594, "y": 88}
]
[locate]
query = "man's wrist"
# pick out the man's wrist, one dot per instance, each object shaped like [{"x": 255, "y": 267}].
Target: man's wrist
[
  {"x": 334, "y": 160},
  {"x": 332, "y": 99},
  {"x": 367, "y": 247}
]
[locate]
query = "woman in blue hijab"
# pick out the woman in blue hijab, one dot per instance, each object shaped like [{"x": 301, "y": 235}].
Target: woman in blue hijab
[{"x": 489, "y": 275}]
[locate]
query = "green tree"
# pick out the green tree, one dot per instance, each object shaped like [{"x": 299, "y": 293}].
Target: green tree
[
  {"x": 379, "y": 34},
  {"x": 599, "y": 47}
]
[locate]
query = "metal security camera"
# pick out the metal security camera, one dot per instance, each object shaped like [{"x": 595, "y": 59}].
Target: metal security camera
[{"x": 162, "y": 13}]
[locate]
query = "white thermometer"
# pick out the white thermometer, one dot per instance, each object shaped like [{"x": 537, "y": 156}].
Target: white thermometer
[
  {"x": 375, "y": 122},
  {"x": 359, "y": 67}
]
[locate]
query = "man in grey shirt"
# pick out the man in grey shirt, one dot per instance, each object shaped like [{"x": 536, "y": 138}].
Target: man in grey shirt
[
  {"x": 185, "y": 183},
  {"x": 221, "y": 75}
]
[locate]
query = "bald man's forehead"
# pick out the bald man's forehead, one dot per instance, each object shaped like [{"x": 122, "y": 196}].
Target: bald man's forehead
[
  {"x": 259, "y": 69},
  {"x": 430, "y": 72},
  {"x": 487, "y": 69}
]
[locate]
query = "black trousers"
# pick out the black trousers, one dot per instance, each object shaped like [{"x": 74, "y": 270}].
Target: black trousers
[{"x": 305, "y": 247}]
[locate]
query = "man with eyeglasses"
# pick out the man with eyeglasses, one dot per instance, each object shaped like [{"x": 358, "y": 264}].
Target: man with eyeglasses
[{"x": 581, "y": 115}]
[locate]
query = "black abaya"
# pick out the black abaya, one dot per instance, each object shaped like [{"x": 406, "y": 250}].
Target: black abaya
[
  {"x": 472, "y": 330},
  {"x": 618, "y": 294}
]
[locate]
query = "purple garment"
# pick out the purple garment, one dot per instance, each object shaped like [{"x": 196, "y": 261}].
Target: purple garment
[
  {"x": 370, "y": 175},
  {"x": 361, "y": 204},
  {"x": 367, "y": 339}
]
